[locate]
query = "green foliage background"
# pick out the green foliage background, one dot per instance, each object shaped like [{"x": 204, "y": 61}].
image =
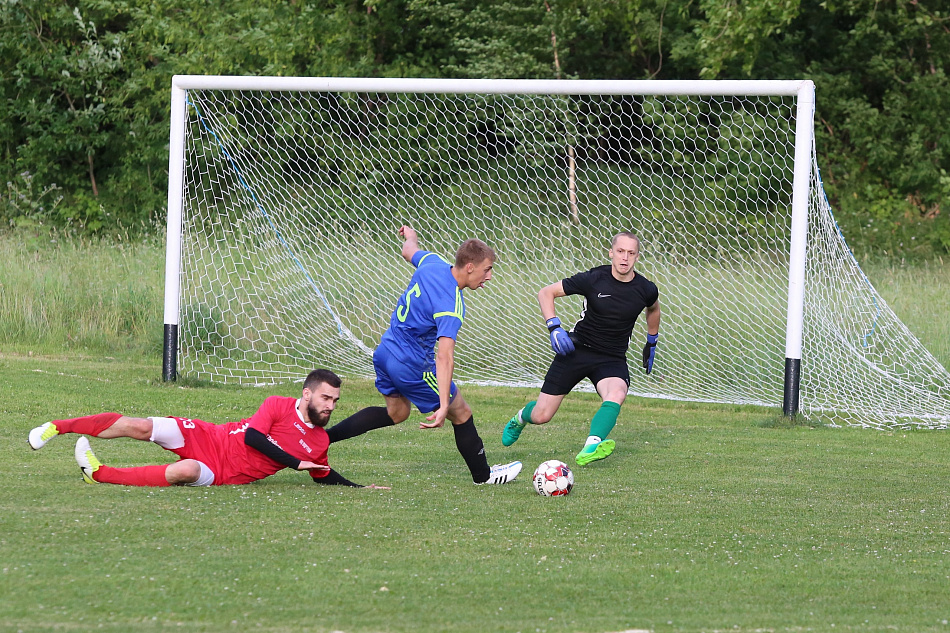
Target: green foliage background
[{"x": 84, "y": 85}]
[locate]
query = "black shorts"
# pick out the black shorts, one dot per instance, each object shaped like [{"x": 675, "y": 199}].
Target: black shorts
[{"x": 566, "y": 371}]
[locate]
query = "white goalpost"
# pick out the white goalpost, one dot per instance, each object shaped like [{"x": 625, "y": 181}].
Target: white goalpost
[{"x": 285, "y": 195}]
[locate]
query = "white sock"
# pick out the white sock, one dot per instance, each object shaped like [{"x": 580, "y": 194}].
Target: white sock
[{"x": 592, "y": 439}]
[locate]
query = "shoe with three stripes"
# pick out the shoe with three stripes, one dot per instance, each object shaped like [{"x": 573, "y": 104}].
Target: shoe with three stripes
[{"x": 502, "y": 473}]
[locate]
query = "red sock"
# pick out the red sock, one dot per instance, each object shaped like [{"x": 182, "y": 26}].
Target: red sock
[
  {"x": 87, "y": 425},
  {"x": 139, "y": 476}
]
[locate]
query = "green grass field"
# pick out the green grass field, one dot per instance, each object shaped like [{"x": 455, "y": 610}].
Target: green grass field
[{"x": 706, "y": 518}]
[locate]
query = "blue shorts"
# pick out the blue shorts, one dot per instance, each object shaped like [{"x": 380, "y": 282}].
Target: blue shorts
[{"x": 395, "y": 378}]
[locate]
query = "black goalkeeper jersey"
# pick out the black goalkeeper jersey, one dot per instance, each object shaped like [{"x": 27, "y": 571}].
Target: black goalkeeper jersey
[{"x": 611, "y": 308}]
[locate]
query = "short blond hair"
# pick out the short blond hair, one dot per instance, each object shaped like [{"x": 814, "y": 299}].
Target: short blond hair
[
  {"x": 473, "y": 252},
  {"x": 631, "y": 235}
]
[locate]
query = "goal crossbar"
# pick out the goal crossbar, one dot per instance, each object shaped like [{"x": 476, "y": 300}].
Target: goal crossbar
[{"x": 739, "y": 87}]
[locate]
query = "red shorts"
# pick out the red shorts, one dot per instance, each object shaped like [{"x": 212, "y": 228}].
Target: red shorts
[{"x": 220, "y": 447}]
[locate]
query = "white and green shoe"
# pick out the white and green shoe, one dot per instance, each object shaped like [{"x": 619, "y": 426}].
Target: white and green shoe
[
  {"x": 593, "y": 452},
  {"x": 41, "y": 435},
  {"x": 87, "y": 461}
]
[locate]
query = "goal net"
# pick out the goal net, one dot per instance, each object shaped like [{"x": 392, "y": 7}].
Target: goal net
[{"x": 289, "y": 255}]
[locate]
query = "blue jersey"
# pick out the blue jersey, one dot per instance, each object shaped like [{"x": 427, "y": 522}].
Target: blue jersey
[{"x": 431, "y": 307}]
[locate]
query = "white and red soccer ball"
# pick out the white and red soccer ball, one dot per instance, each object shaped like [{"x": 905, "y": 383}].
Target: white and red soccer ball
[{"x": 553, "y": 479}]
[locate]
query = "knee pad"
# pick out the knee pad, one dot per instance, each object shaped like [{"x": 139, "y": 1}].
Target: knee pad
[{"x": 206, "y": 478}]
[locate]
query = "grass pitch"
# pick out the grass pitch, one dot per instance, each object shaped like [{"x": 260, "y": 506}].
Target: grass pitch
[{"x": 705, "y": 518}]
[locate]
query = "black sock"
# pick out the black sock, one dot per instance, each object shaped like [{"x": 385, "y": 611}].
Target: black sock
[
  {"x": 472, "y": 449},
  {"x": 360, "y": 422}
]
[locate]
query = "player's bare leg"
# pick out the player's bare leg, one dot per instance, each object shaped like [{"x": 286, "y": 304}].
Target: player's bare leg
[
  {"x": 613, "y": 390},
  {"x": 545, "y": 407},
  {"x": 398, "y": 408},
  {"x": 104, "y": 425},
  {"x": 125, "y": 426},
  {"x": 186, "y": 471},
  {"x": 538, "y": 411},
  {"x": 459, "y": 412}
]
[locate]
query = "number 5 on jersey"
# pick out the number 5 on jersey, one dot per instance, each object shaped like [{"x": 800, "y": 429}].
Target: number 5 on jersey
[{"x": 402, "y": 313}]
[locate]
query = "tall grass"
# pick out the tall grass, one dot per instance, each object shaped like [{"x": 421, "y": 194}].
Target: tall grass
[
  {"x": 105, "y": 298},
  {"x": 920, "y": 295},
  {"x": 88, "y": 296}
]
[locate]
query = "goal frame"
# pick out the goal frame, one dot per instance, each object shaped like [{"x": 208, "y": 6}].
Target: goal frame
[{"x": 802, "y": 90}]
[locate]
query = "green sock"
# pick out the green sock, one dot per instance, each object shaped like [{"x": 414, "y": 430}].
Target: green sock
[
  {"x": 526, "y": 412},
  {"x": 604, "y": 420}
]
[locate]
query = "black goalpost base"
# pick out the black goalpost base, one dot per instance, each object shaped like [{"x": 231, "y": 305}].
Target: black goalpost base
[
  {"x": 170, "y": 353},
  {"x": 793, "y": 369}
]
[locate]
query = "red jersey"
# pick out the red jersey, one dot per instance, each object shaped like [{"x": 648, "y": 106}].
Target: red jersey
[{"x": 221, "y": 446}]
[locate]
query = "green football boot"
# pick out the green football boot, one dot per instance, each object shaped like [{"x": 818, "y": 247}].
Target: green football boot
[
  {"x": 593, "y": 452},
  {"x": 513, "y": 429}
]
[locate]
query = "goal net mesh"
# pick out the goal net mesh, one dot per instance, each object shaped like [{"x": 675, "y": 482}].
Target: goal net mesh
[{"x": 290, "y": 253}]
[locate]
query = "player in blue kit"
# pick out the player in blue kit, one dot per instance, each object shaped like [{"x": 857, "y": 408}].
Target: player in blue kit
[
  {"x": 596, "y": 348},
  {"x": 409, "y": 371}
]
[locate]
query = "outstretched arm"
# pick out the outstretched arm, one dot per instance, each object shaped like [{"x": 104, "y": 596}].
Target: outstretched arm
[
  {"x": 334, "y": 478},
  {"x": 259, "y": 442},
  {"x": 411, "y": 244}
]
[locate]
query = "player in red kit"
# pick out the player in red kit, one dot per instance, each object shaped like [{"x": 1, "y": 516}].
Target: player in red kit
[{"x": 284, "y": 433}]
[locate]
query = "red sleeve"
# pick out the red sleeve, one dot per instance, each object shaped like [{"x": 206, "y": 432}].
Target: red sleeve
[{"x": 265, "y": 417}]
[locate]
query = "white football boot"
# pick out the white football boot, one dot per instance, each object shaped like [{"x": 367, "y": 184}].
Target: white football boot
[
  {"x": 502, "y": 473},
  {"x": 87, "y": 461},
  {"x": 41, "y": 435}
]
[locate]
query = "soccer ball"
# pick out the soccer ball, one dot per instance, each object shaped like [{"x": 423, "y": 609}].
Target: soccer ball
[{"x": 553, "y": 479}]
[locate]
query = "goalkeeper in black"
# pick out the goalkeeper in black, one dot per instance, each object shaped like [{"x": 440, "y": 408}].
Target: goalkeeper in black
[{"x": 614, "y": 297}]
